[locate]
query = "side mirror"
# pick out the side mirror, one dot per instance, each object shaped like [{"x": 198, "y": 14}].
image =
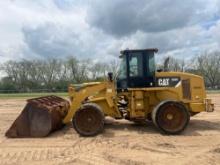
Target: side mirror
[{"x": 110, "y": 76}]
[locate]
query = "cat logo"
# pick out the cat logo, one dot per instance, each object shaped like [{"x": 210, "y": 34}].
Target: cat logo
[
  {"x": 163, "y": 81},
  {"x": 167, "y": 81}
]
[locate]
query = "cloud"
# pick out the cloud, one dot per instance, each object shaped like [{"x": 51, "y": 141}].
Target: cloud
[
  {"x": 125, "y": 17},
  {"x": 49, "y": 40},
  {"x": 215, "y": 32},
  {"x": 58, "y": 40},
  {"x": 100, "y": 29},
  {"x": 68, "y": 5},
  {"x": 173, "y": 39}
]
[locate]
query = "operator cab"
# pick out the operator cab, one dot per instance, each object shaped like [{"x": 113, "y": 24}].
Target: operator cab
[{"x": 137, "y": 69}]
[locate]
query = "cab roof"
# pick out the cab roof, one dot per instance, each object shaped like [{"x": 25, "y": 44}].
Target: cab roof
[{"x": 138, "y": 50}]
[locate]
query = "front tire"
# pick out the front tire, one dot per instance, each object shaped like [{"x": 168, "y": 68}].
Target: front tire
[
  {"x": 88, "y": 120},
  {"x": 171, "y": 117}
]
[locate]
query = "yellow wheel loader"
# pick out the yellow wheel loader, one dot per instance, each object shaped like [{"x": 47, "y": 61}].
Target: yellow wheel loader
[{"x": 138, "y": 94}]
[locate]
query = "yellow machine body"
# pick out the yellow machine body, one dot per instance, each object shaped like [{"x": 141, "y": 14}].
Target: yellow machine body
[{"x": 190, "y": 91}]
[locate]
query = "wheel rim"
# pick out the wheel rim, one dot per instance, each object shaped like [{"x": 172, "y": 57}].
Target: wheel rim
[
  {"x": 88, "y": 121},
  {"x": 172, "y": 118}
]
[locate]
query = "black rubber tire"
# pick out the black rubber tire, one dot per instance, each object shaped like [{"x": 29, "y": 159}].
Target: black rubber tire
[
  {"x": 176, "y": 122},
  {"x": 88, "y": 120}
]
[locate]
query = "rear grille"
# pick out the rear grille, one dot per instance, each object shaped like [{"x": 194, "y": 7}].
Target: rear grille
[{"x": 186, "y": 89}]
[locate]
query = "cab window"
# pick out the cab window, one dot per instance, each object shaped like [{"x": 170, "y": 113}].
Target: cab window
[
  {"x": 135, "y": 65},
  {"x": 123, "y": 69},
  {"x": 151, "y": 64}
]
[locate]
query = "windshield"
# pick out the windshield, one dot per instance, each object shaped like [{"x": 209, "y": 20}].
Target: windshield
[{"x": 123, "y": 69}]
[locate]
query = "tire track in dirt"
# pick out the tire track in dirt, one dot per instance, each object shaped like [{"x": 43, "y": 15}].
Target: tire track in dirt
[{"x": 83, "y": 147}]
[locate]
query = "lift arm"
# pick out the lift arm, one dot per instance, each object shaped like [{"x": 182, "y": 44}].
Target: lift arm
[{"x": 77, "y": 96}]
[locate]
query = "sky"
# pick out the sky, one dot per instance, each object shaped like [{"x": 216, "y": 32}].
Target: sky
[{"x": 99, "y": 29}]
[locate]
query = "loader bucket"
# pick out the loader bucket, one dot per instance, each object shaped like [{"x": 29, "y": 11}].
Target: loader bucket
[{"x": 39, "y": 117}]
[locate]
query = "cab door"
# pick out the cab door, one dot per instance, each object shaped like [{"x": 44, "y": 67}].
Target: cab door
[
  {"x": 141, "y": 69},
  {"x": 135, "y": 70}
]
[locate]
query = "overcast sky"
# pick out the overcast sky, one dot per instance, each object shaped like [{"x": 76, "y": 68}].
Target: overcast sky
[{"x": 99, "y": 29}]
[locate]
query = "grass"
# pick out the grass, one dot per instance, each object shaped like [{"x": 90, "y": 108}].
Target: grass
[
  {"x": 213, "y": 91},
  {"x": 30, "y": 95}
]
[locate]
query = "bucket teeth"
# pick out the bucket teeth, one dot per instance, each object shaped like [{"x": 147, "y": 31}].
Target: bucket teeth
[{"x": 39, "y": 117}]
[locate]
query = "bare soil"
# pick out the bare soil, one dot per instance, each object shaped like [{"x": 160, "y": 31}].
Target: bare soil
[{"x": 122, "y": 142}]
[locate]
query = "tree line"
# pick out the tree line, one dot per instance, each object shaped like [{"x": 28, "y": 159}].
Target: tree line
[
  {"x": 52, "y": 74},
  {"x": 56, "y": 74},
  {"x": 206, "y": 65}
]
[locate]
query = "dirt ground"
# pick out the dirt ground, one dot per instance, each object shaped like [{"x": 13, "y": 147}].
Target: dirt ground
[{"x": 122, "y": 142}]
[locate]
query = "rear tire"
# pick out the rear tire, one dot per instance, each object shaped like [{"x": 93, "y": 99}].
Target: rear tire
[
  {"x": 171, "y": 117},
  {"x": 88, "y": 120}
]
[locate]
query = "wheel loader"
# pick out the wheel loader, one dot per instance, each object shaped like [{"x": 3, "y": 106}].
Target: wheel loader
[{"x": 139, "y": 93}]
